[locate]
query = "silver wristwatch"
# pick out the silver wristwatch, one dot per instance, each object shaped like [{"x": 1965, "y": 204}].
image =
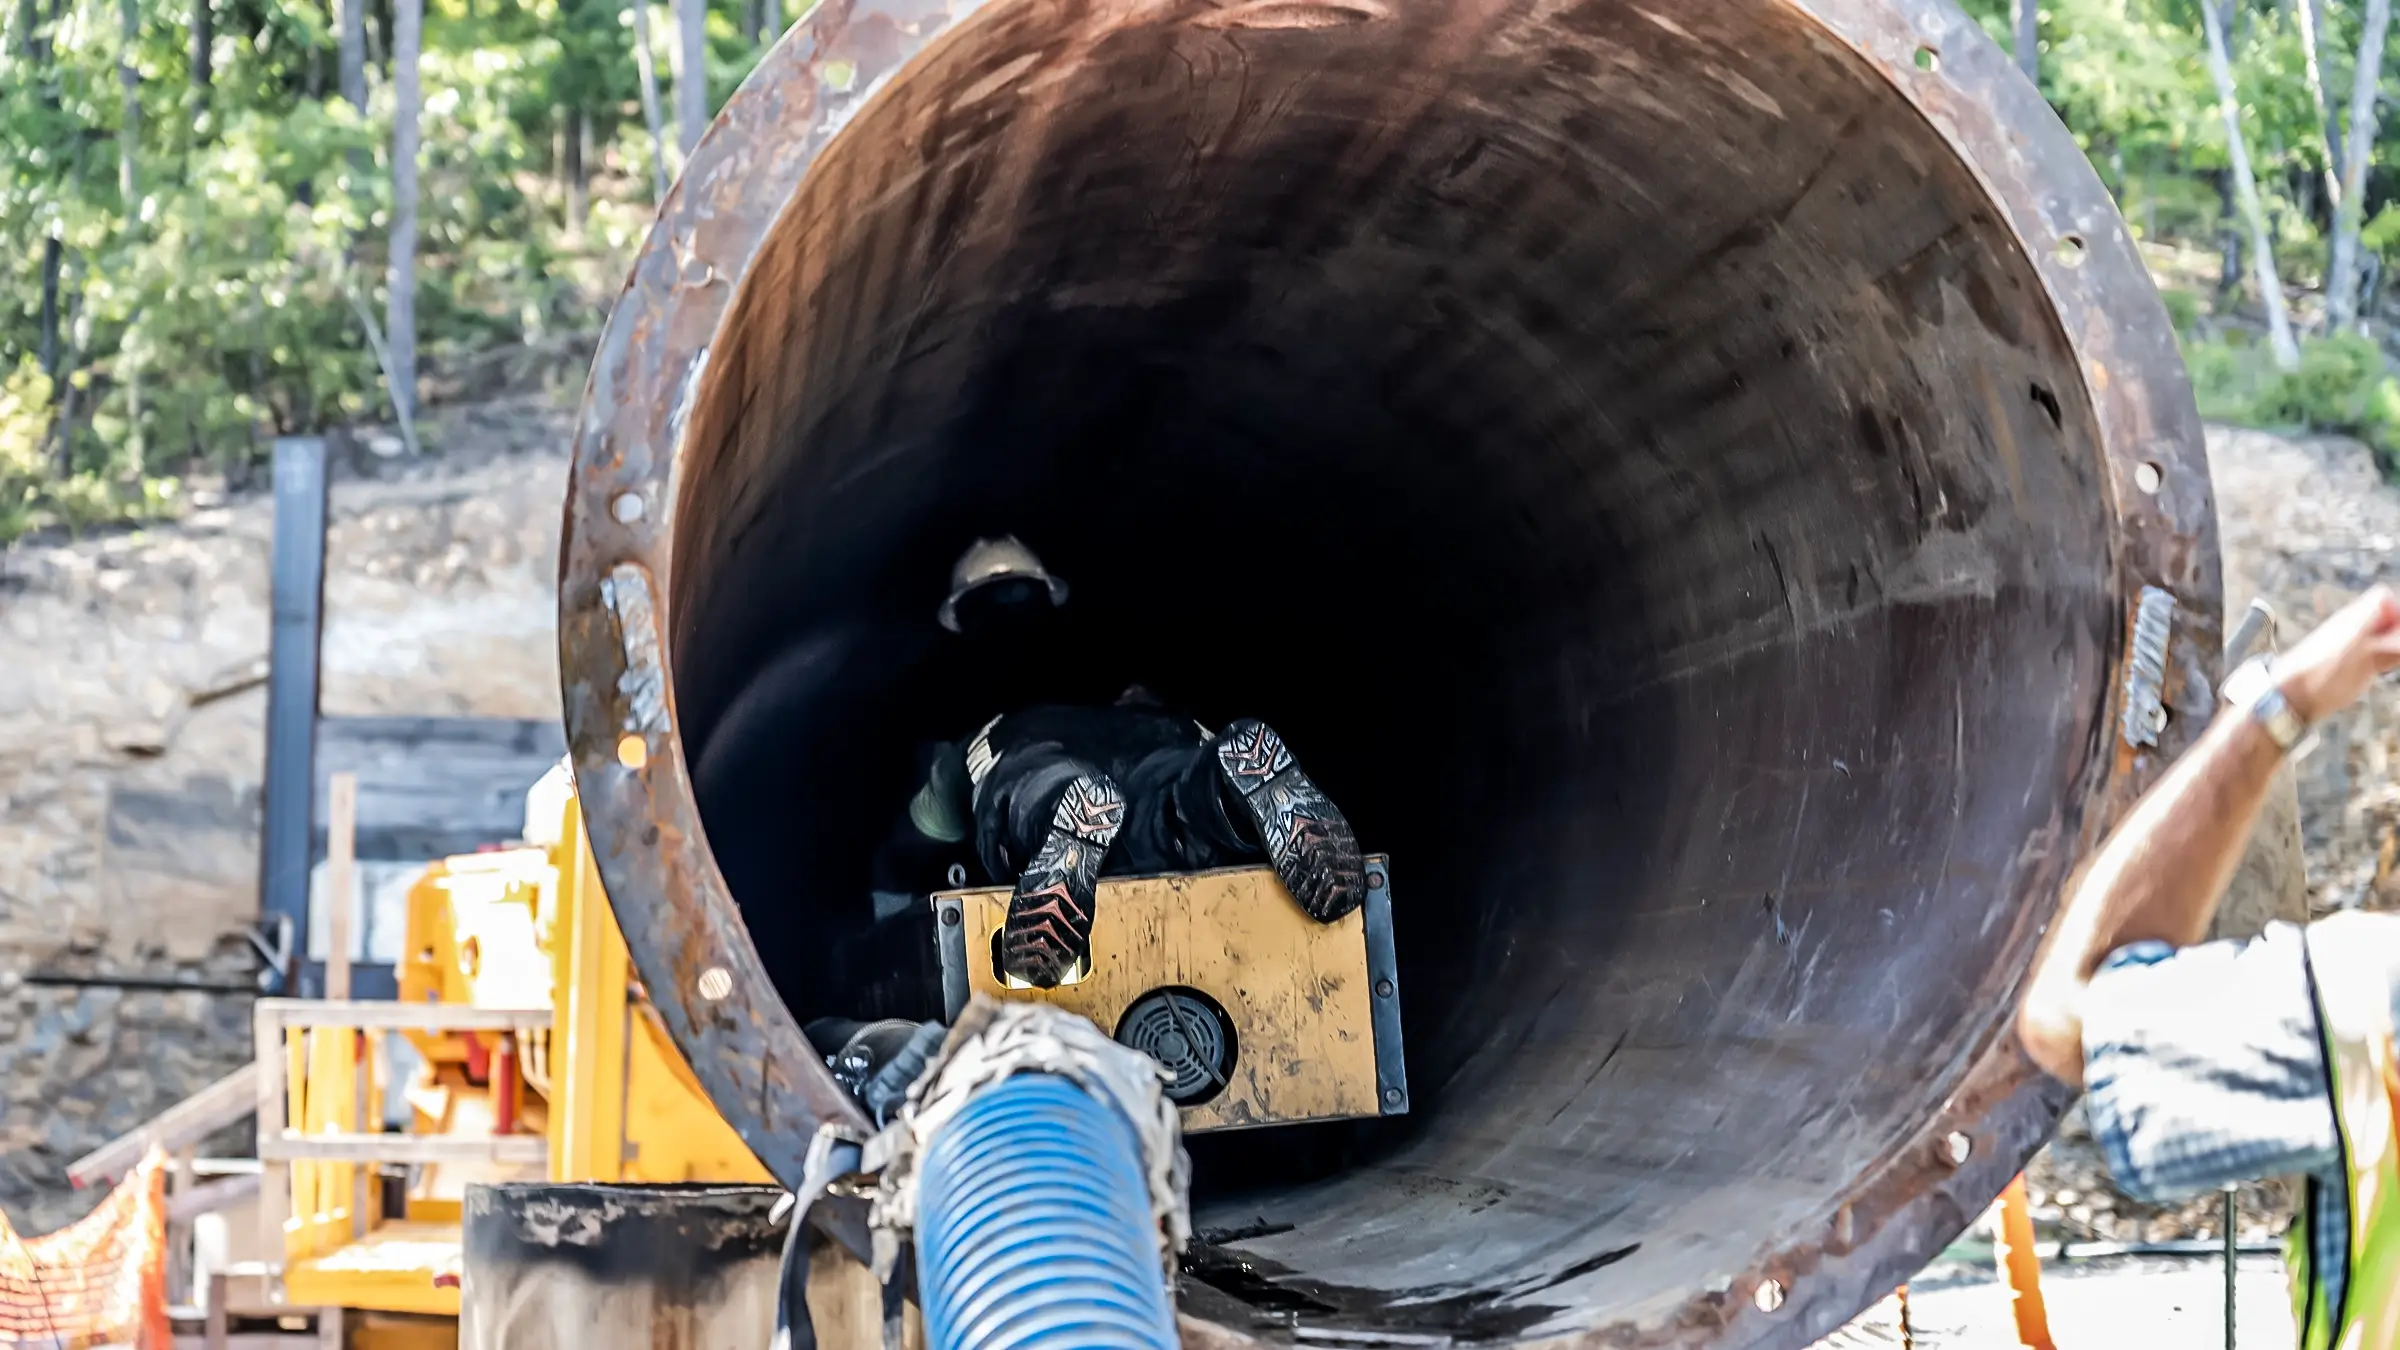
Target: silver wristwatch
[{"x": 2252, "y": 687}]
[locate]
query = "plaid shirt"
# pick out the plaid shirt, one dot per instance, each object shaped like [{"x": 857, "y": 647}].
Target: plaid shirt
[{"x": 2204, "y": 1067}]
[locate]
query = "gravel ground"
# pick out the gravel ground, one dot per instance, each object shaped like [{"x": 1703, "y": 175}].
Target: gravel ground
[
  {"x": 2307, "y": 524},
  {"x": 2173, "y": 1303}
]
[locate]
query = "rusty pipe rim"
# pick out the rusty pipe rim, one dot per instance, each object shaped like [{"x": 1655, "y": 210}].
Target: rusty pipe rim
[{"x": 682, "y": 926}]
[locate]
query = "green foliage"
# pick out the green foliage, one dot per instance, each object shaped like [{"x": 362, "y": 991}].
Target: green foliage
[
  {"x": 2331, "y": 390},
  {"x": 33, "y": 493},
  {"x": 2382, "y": 234},
  {"x": 229, "y": 300},
  {"x": 24, "y": 422},
  {"x": 2344, "y": 385}
]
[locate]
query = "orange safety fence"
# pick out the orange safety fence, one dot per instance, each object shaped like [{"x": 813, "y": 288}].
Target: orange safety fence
[
  {"x": 2021, "y": 1266},
  {"x": 101, "y": 1280}
]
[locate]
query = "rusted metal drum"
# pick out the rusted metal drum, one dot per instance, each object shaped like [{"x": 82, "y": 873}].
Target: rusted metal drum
[
  {"x": 1683, "y": 475},
  {"x": 593, "y": 1267}
]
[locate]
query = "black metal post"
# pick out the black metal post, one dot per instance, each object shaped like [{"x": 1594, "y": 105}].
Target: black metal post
[
  {"x": 2232, "y": 1263},
  {"x": 292, "y": 654}
]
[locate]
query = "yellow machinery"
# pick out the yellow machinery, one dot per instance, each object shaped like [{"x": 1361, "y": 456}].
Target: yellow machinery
[{"x": 541, "y": 1059}]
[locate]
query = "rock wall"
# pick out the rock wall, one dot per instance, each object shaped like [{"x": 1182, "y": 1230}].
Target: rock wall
[
  {"x": 132, "y": 742},
  {"x": 2307, "y": 524}
]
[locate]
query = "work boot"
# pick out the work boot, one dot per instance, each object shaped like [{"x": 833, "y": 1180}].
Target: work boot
[
  {"x": 1049, "y": 928},
  {"x": 1307, "y": 839}
]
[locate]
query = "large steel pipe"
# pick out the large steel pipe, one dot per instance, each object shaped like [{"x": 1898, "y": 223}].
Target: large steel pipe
[{"x": 1682, "y": 473}]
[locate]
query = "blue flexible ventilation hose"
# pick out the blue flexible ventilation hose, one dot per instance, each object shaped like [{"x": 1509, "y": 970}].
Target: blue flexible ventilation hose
[{"x": 1034, "y": 1227}]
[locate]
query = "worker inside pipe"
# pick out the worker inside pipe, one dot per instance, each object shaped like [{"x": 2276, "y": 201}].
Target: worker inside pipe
[{"x": 1048, "y": 799}]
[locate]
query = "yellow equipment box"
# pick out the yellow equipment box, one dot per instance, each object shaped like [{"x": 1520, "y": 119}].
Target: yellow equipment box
[{"x": 1261, "y": 1015}]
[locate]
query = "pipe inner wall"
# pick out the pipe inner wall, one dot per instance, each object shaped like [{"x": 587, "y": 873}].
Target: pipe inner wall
[{"x": 1667, "y": 469}]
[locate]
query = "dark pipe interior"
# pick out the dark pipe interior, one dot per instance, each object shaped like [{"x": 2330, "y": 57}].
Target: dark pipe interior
[{"x": 1626, "y": 454}]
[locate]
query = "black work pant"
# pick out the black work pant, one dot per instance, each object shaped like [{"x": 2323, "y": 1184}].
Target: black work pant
[{"x": 1179, "y": 816}]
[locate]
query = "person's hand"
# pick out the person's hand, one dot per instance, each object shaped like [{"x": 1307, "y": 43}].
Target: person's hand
[{"x": 2327, "y": 670}]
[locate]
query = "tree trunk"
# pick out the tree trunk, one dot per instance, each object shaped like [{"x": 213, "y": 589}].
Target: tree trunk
[
  {"x": 352, "y": 43},
  {"x": 312, "y": 69},
  {"x": 62, "y": 428},
  {"x": 764, "y": 27},
  {"x": 400, "y": 313},
  {"x": 691, "y": 80},
  {"x": 204, "y": 41},
  {"x": 35, "y": 47},
  {"x": 2358, "y": 141},
  {"x": 645, "y": 63},
  {"x": 2229, "y": 240},
  {"x": 54, "y": 257},
  {"x": 129, "y": 190},
  {"x": 2025, "y": 20},
  {"x": 63, "y": 393},
  {"x": 2237, "y": 154},
  {"x": 2309, "y": 22},
  {"x": 578, "y": 175},
  {"x": 137, "y": 440},
  {"x": 129, "y": 122}
]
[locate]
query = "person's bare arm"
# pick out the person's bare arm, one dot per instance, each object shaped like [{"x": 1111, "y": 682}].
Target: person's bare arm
[{"x": 2163, "y": 870}]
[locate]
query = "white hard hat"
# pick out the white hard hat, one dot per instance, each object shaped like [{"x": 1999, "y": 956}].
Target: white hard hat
[{"x": 990, "y": 561}]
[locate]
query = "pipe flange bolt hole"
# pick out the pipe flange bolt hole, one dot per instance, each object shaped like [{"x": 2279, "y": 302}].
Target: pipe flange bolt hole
[{"x": 1929, "y": 59}]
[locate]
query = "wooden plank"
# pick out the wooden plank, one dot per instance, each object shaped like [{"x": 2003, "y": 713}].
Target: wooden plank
[
  {"x": 208, "y": 1197},
  {"x": 215, "y": 1338},
  {"x": 185, "y": 1123},
  {"x": 358, "y": 1175},
  {"x": 341, "y": 853},
  {"x": 275, "y": 1192},
  {"x": 180, "y": 1181},
  {"x": 526, "y": 1150},
  {"x": 250, "y": 1340},
  {"x": 382, "y": 1015}
]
